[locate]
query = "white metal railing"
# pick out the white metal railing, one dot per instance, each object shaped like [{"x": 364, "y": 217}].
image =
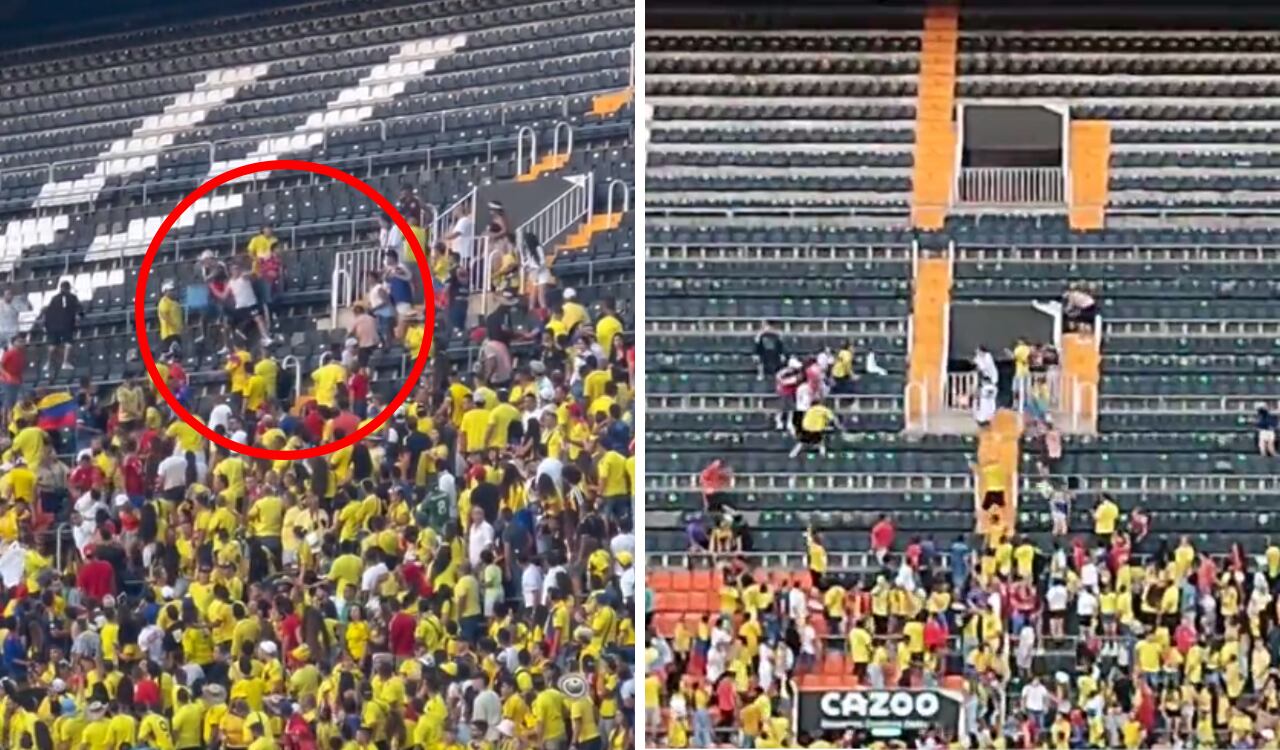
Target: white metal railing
[
  {"x": 520, "y": 151},
  {"x": 209, "y": 148},
  {"x": 1192, "y": 328},
  {"x": 879, "y": 327},
  {"x": 1117, "y": 484},
  {"x": 962, "y": 390},
  {"x": 1048, "y": 382},
  {"x": 626, "y": 197},
  {"x": 569, "y": 209},
  {"x": 777, "y": 252},
  {"x": 292, "y": 362},
  {"x": 1173, "y": 403},
  {"x": 1112, "y": 254},
  {"x": 1011, "y": 186},
  {"x": 754, "y": 402},
  {"x": 568, "y": 138},
  {"x": 350, "y": 271}
]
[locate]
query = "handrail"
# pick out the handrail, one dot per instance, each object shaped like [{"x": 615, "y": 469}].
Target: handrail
[
  {"x": 555, "y": 139},
  {"x": 626, "y": 197},
  {"x": 341, "y": 281},
  {"x": 120, "y": 253},
  {"x": 1118, "y": 484},
  {"x": 355, "y": 265},
  {"x": 297, "y": 372},
  {"x": 1017, "y": 186},
  {"x": 211, "y": 147},
  {"x": 57, "y": 544},
  {"x": 556, "y": 217},
  {"x": 533, "y": 148}
]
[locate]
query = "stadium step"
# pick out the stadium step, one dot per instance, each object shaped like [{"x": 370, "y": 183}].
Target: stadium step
[
  {"x": 609, "y": 104},
  {"x": 998, "y": 447},
  {"x": 935, "y": 131},
  {"x": 929, "y": 305},
  {"x": 548, "y": 163},
  {"x": 1090, "y": 160},
  {"x": 1082, "y": 365},
  {"x": 581, "y": 237}
]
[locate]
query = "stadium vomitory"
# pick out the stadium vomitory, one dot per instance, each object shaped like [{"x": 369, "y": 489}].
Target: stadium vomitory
[{"x": 960, "y": 356}]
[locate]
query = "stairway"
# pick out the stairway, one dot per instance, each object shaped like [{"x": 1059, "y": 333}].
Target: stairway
[
  {"x": 581, "y": 237},
  {"x": 998, "y": 454},
  {"x": 1090, "y": 162},
  {"x": 605, "y": 105},
  {"x": 548, "y": 163},
  {"x": 933, "y": 173},
  {"x": 930, "y": 304},
  {"x": 1081, "y": 366}
]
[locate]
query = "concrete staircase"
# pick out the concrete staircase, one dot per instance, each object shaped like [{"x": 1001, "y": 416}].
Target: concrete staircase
[
  {"x": 606, "y": 105},
  {"x": 545, "y": 165}
]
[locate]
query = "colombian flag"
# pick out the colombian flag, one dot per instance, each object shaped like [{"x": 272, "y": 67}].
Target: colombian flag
[{"x": 56, "y": 411}]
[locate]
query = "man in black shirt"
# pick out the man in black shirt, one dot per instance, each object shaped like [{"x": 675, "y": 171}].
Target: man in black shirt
[
  {"x": 769, "y": 350},
  {"x": 60, "y": 317}
]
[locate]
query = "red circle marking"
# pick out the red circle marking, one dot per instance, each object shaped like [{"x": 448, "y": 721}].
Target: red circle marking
[{"x": 140, "y": 320}]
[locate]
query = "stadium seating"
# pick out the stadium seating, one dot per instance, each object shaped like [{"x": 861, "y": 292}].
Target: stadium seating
[
  {"x": 1190, "y": 335},
  {"x": 96, "y": 148},
  {"x": 766, "y": 124}
]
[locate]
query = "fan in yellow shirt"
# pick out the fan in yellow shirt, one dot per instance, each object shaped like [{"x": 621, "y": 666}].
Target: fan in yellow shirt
[
  {"x": 325, "y": 379},
  {"x": 474, "y": 427}
]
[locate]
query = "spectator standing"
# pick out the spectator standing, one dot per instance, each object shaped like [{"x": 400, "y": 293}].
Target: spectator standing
[
  {"x": 461, "y": 237},
  {"x": 13, "y": 364},
  {"x": 1266, "y": 426},
  {"x": 61, "y": 317},
  {"x": 364, "y": 329},
  {"x": 814, "y": 424},
  {"x": 172, "y": 319},
  {"x": 409, "y": 206},
  {"x": 9, "y": 313},
  {"x": 217, "y": 309},
  {"x": 787, "y": 381},
  {"x": 399, "y": 281},
  {"x": 1081, "y": 309},
  {"x": 245, "y": 309},
  {"x": 771, "y": 353},
  {"x": 377, "y": 298},
  {"x": 534, "y": 261}
]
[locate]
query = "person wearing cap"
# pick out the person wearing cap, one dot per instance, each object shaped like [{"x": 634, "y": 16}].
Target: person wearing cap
[
  {"x": 171, "y": 316},
  {"x": 572, "y": 313}
]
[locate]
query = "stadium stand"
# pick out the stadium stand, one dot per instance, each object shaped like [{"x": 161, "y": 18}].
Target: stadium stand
[
  {"x": 201, "y": 598},
  {"x": 841, "y": 206}
]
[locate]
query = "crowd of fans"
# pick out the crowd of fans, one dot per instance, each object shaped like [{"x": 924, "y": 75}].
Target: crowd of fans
[
  {"x": 1102, "y": 635},
  {"x": 462, "y": 578}
]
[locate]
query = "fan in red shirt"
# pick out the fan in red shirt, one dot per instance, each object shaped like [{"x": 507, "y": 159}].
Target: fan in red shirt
[
  {"x": 12, "y": 364},
  {"x": 882, "y": 537},
  {"x": 358, "y": 389},
  {"x": 135, "y": 484},
  {"x": 86, "y": 476},
  {"x": 716, "y": 478},
  {"x": 96, "y": 578}
]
